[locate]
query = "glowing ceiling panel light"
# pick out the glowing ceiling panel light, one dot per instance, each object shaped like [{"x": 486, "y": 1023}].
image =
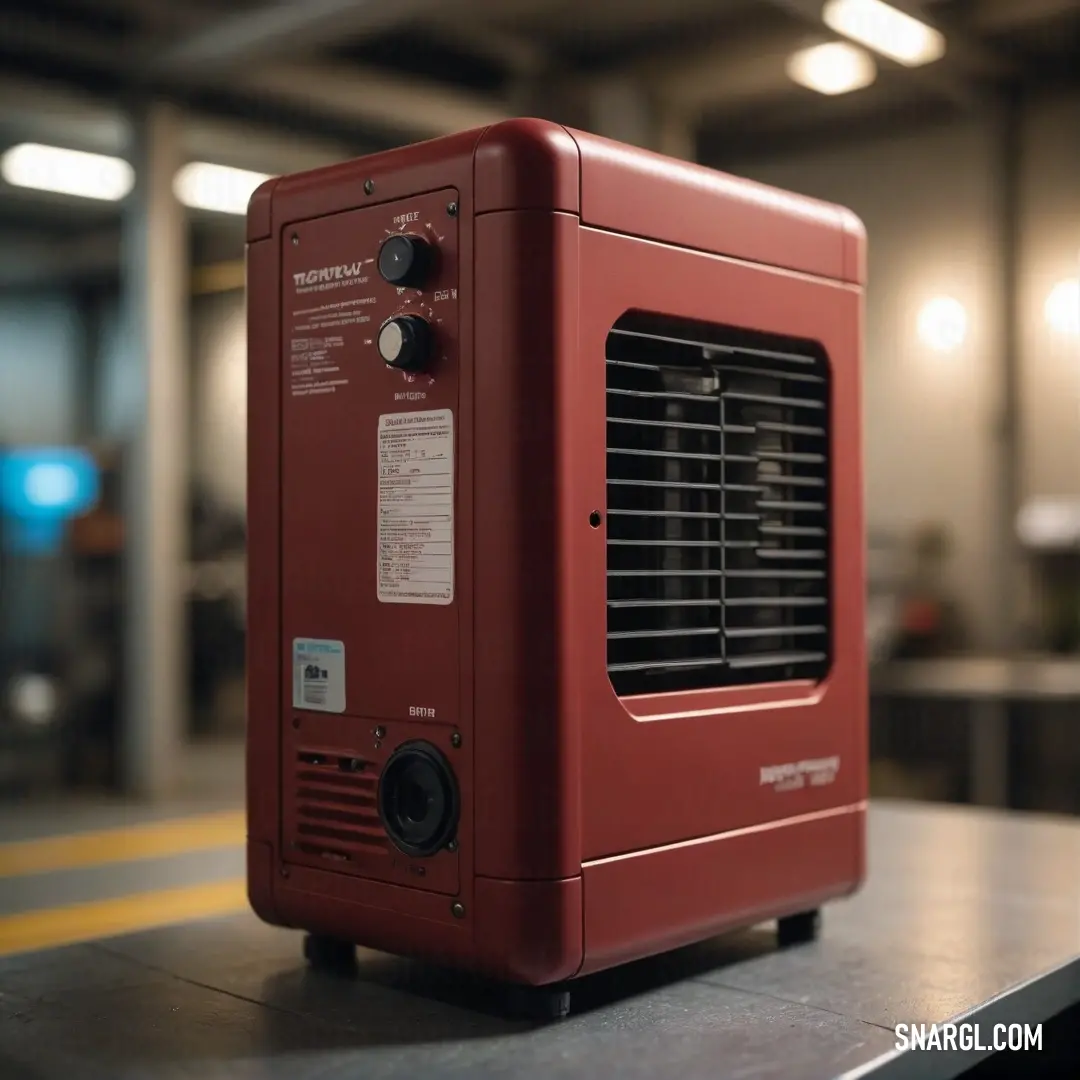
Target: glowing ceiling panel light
[
  {"x": 1062, "y": 308},
  {"x": 943, "y": 324},
  {"x": 67, "y": 172},
  {"x": 887, "y": 31},
  {"x": 835, "y": 68},
  {"x": 225, "y": 190}
]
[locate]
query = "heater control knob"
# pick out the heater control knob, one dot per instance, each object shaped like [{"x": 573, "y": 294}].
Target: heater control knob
[
  {"x": 405, "y": 342},
  {"x": 405, "y": 260}
]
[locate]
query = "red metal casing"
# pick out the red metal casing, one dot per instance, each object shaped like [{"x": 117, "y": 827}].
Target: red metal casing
[{"x": 594, "y": 830}]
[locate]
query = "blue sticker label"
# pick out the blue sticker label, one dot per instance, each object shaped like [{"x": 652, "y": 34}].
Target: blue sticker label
[{"x": 318, "y": 675}]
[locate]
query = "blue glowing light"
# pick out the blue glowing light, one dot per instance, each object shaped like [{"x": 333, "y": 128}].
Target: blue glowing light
[{"x": 47, "y": 484}]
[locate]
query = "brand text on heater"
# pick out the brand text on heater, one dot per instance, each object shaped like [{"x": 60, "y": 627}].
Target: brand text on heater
[
  {"x": 798, "y": 774},
  {"x": 330, "y": 273}
]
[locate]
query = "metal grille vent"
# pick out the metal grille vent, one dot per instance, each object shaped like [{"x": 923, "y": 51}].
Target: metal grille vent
[
  {"x": 718, "y": 507},
  {"x": 336, "y": 815}
]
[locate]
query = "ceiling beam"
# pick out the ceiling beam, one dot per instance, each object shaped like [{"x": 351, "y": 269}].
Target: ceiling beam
[
  {"x": 731, "y": 72},
  {"x": 31, "y": 34},
  {"x": 848, "y": 123},
  {"x": 40, "y": 111},
  {"x": 284, "y": 28},
  {"x": 404, "y": 106},
  {"x": 992, "y": 16},
  {"x": 518, "y": 55}
]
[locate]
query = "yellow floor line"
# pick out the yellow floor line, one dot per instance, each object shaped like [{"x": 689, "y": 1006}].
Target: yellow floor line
[
  {"x": 33, "y": 930},
  {"x": 153, "y": 840}
]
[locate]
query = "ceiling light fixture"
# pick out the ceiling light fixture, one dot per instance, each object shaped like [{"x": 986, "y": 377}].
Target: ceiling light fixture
[
  {"x": 835, "y": 68},
  {"x": 1062, "y": 308},
  {"x": 943, "y": 324},
  {"x": 220, "y": 188},
  {"x": 886, "y": 30},
  {"x": 67, "y": 172}
]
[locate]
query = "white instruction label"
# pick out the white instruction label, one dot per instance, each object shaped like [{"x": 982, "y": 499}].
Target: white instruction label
[
  {"x": 416, "y": 507},
  {"x": 318, "y": 675}
]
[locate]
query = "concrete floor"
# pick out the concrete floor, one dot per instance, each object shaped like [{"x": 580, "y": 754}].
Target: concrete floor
[
  {"x": 75, "y": 869},
  {"x": 211, "y": 778}
]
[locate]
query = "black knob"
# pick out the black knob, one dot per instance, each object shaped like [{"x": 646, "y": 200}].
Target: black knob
[
  {"x": 405, "y": 342},
  {"x": 405, "y": 260}
]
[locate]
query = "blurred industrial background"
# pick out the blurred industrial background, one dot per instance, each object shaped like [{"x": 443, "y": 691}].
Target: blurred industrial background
[{"x": 132, "y": 133}]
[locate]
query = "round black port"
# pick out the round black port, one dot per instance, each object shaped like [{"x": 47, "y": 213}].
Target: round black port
[{"x": 418, "y": 799}]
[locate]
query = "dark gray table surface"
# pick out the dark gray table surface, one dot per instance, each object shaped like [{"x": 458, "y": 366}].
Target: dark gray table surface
[{"x": 966, "y": 912}]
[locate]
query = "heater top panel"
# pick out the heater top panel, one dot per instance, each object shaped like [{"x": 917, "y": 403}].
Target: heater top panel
[
  {"x": 638, "y": 193},
  {"x": 531, "y": 164}
]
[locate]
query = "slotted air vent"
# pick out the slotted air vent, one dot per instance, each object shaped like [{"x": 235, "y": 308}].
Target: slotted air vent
[
  {"x": 718, "y": 507},
  {"x": 336, "y": 815}
]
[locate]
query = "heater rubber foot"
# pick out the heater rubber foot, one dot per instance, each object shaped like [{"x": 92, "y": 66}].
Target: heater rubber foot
[
  {"x": 798, "y": 929},
  {"x": 537, "y": 1003},
  {"x": 329, "y": 954}
]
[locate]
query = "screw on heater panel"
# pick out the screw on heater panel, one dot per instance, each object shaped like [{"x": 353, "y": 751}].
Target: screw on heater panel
[
  {"x": 451, "y": 209},
  {"x": 369, "y": 186},
  {"x": 457, "y": 909},
  {"x": 295, "y": 239},
  {"x": 380, "y": 732},
  {"x": 452, "y": 846},
  {"x": 595, "y": 518},
  {"x": 455, "y": 740}
]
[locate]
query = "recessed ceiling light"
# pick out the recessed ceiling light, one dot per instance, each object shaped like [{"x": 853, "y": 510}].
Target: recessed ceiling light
[
  {"x": 943, "y": 324},
  {"x": 203, "y": 186},
  {"x": 67, "y": 172},
  {"x": 1062, "y": 308},
  {"x": 835, "y": 68},
  {"x": 886, "y": 30}
]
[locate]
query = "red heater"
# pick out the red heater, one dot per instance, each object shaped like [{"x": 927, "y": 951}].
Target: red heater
[{"x": 556, "y": 642}]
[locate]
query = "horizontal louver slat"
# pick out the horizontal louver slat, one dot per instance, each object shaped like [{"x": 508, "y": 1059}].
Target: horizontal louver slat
[{"x": 336, "y": 811}]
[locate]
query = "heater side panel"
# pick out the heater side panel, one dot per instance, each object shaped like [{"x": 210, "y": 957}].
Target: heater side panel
[
  {"x": 527, "y": 748},
  {"x": 726, "y": 882},
  {"x": 263, "y": 753},
  {"x": 668, "y": 768},
  {"x": 641, "y": 193}
]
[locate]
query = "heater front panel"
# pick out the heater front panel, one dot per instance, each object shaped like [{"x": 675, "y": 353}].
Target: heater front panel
[
  {"x": 685, "y": 735},
  {"x": 381, "y": 595},
  {"x": 369, "y": 523}
]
